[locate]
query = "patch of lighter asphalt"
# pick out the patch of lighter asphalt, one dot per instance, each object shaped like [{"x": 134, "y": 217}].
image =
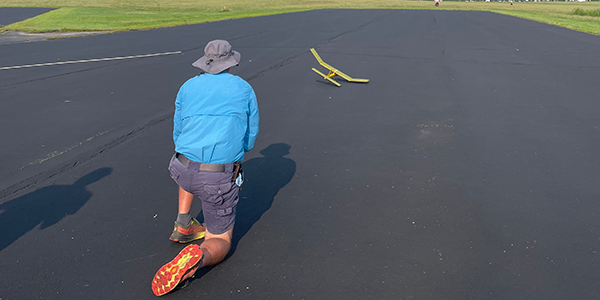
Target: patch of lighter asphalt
[{"x": 17, "y": 37}]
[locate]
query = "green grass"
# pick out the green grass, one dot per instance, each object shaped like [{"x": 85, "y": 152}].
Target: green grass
[
  {"x": 584, "y": 12},
  {"x": 118, "y": 19},
  {"x": 117, "y": 15}
]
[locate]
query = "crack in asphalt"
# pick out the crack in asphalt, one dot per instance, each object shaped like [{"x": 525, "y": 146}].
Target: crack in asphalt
[
  {"x": 112, "y": 64},
  {"x": 57, "y": 153},
  {"x": 290, "y": 59},
  {"x": 277, "y": 65},
  {"x": 72, "y": 163},
  {"x": 61, "y": 74},
  {"x": 89, "y": 155},
  {"x": 230, "y": 39},
  {"x": 360, "y": 27},
  {"x": 444, "y": 57}
]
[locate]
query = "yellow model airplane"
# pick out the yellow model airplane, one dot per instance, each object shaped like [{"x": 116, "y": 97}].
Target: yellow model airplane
[{"x": 333, "y": 71}]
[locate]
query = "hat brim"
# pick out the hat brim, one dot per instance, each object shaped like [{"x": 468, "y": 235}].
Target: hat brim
[{"x": 216, "y": 67}]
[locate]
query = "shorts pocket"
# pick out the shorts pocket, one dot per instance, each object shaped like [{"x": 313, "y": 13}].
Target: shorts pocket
[
  {"x": 174, "y": 173},
  {"x": 217, "y": 189},
  {"x": 225, "y": 218},
  {"x": 216, "y": 192},
  {"x": 173, "y": 170}
]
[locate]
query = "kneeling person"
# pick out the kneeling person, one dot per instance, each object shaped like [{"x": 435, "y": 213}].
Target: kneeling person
[{"x": 215, "y": 123}]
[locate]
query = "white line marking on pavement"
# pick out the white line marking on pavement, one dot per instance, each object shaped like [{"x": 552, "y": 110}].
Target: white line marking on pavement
[{"x": 89, "y": 60}]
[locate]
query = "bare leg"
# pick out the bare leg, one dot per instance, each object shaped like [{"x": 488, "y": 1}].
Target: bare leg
[
  {"x": 185, "y": 201},
  {"x": 215, "y": 247}
]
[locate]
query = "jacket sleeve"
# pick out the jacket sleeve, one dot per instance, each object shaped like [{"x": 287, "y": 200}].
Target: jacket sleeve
[
  {"x": 253, "y": 118},
  {"x": 177, "y": 116}
]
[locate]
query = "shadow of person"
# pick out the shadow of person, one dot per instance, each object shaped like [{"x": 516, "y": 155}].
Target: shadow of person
[
  {"x": 264, "y": 177},
  {"x": 47, "y": 206}
]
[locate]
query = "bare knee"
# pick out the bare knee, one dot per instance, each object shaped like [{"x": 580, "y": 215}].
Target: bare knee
[{"x": 216, "y": 247}]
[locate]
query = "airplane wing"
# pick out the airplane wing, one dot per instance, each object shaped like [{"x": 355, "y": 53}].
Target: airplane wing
[
  {"x": 321, "y": 62},
  {"x": 337, "y": 72},
  {"x": 334, "y": 70}
]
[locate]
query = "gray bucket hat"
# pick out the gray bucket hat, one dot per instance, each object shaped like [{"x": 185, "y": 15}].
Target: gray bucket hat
[{"x": 218, "y": 57}]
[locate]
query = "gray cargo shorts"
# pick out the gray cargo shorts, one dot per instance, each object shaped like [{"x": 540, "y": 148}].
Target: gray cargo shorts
[{"x": 219, "y": 194}]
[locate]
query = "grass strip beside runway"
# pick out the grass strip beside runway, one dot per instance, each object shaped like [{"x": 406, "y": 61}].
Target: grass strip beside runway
[
  {"x": 122, "y": 19},
  {"x": 78, "y": 15}
]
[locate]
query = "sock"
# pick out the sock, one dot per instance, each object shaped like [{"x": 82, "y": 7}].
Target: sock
[{"x": 184, "y": 219}]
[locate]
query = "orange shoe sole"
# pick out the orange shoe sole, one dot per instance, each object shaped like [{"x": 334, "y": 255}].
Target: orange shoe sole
[{"x": 169, "y": 275}]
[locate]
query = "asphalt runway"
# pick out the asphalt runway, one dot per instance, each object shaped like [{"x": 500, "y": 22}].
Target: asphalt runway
[
  {"x": 9, "y": 15},
  {"x": 467, "y": 168}
]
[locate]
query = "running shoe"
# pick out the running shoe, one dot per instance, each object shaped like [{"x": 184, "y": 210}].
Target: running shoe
[
  {"x": 185, "y": 234},
  {"x": 182, "y": 267}
]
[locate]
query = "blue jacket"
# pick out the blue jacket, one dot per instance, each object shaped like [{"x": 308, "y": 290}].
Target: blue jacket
[{"x": 216, "y": 118}]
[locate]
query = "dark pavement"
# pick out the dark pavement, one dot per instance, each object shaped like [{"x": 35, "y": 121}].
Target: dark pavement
[
  {"x": 9, "y": 15},
  {"x": 466, "y": 169}
]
